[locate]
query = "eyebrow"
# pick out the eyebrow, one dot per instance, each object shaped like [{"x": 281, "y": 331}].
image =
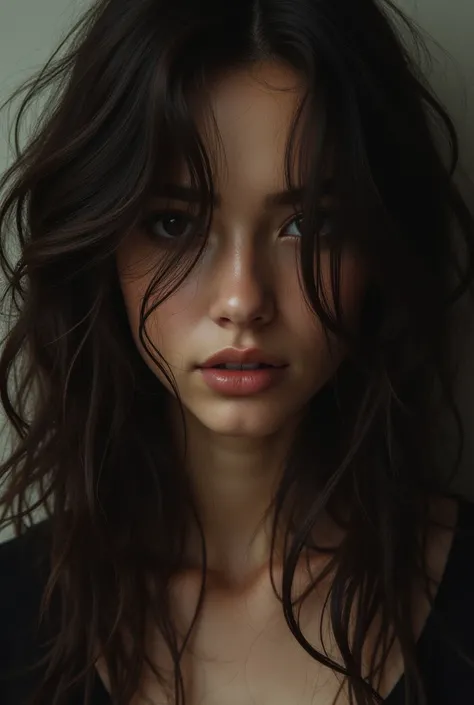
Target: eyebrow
[{"x": 281, "y": 198}]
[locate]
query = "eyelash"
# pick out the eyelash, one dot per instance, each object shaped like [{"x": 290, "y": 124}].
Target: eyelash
[
  {"x": 324, "y": 212},
  {"x": 156, "y": 216}
]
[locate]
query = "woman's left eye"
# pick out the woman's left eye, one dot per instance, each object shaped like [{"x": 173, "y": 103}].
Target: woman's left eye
[{"x": 292, "y": 228}]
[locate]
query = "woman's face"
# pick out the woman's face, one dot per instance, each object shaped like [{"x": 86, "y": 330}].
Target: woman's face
[{"x": 244, "y": 292}]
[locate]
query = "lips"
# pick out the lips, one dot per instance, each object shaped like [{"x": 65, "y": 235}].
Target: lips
[
  {"x": 238, "y": 357},
  {"x": 237, "y": 366}
]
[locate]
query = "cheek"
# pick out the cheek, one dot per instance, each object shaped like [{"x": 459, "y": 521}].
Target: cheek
[
  {"x": 353, "y": 282},
  {"x": 353, "y": 278},
  {"x": 353, "y": 288},
  {"x": 167, "y": 325},
  {"x": 171, "y": 324},
  {"x": 322, "y": 353},
  {"x": 134, "y": 276}
]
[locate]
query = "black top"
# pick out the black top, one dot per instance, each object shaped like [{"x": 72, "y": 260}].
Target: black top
[{"x": 449, "y": 679}]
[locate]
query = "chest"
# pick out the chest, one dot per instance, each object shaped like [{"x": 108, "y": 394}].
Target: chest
[
  {"x": 243, "y": 653},
  {"x": 240, "y": 662}
]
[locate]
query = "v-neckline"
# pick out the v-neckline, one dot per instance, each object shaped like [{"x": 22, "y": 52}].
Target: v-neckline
[{"x": 394, "y": 697}]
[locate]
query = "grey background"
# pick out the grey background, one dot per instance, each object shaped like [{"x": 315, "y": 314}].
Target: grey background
[{"x": 30, "y": 29}]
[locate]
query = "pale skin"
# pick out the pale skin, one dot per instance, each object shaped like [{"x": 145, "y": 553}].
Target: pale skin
[{"x": 245, "y": 293}]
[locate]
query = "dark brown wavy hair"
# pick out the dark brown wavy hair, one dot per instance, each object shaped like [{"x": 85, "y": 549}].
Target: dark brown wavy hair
[{"x": 91, "y": 438}]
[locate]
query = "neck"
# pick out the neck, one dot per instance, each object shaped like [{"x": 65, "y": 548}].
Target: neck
[{"x": 233, "y": 481}]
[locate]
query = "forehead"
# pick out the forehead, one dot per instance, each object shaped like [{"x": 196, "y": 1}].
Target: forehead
[{"x": 245, "y": 122}]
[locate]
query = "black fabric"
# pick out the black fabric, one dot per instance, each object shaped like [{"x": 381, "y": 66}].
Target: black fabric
[{"x": 449, "y": 680}]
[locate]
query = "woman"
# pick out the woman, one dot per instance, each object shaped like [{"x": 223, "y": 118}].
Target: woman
[{"x": 231, "y": 352}]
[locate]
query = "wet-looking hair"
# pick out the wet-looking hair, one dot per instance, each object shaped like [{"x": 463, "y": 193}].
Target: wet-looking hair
[{"x": 91, "y": 437}]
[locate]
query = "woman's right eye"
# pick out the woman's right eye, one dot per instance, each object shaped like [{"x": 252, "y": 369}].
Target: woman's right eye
[{"x": 168, "y": 225}]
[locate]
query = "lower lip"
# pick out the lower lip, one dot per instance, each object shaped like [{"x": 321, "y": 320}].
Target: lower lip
[{"x": 241, "y": 383}]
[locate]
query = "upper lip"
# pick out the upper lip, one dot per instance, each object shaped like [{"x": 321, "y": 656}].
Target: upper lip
[{"x": 242, "y": 357}]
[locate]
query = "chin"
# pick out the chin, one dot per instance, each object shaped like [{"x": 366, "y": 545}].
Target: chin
[
  {"x": 244, "y": 430},
  {"x": 244, "y": 422}
]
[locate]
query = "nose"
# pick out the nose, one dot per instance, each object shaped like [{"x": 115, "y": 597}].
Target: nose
[{"x": 242, "y": 293}]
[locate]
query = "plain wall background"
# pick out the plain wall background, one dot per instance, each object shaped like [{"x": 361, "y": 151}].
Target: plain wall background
[{"x": 30, "y": 29}]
